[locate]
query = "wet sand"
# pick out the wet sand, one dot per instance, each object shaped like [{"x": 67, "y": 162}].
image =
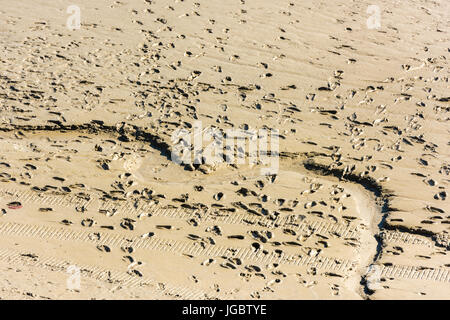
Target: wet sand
[{"x": 93, "y": 207}]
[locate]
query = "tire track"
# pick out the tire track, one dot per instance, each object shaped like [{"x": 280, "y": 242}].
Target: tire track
[
  {"x": 98, "y": 273},
  {"x": 406, "y": 238},
  {"x": 416, "y": 273},
  {"x": 175, "y": 246},
  {"x": 289, "y": 221}
]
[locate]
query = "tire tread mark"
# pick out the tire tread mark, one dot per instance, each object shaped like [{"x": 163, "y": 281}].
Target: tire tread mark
[
  {"x": 176, "y": 213},
  {"x": 415, "y": 273},
  {"x": 98, "y": 273},
  {"x": 151, "y": 243}
]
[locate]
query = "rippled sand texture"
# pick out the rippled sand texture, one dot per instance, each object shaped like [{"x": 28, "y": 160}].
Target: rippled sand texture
[{"x": 358, "y": 209}]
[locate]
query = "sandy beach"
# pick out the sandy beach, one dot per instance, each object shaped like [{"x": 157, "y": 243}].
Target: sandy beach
[{"x": 229, "y": 150}]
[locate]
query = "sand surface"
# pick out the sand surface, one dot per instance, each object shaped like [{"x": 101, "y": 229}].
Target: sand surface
[{"x": 93, "y": 207}]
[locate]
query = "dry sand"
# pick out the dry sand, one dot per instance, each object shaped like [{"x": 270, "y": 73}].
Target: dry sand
[{"x": 358, "y": 208}]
